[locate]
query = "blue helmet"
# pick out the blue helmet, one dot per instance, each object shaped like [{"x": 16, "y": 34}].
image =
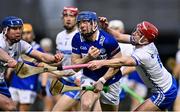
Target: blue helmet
[
  {"x": 11, "y": 21},
  {"x": 87, "y": 15}
]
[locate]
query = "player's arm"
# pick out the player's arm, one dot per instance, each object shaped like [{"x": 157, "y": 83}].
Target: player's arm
[
  {"x": 78, "y": 59},
  {"x": 125, "y": 38},
  {"x": 47, "y": 58},
  {"x": 128, "y": 69},
  {"x": 93, "y": 53},
  {"x": 4, "y": 56},
  {"x": 111, "y": 71},
  {"x": 118, "y": 62},
  {"x": 7, "y": 59},
  {"x": 115, "y": 62}
]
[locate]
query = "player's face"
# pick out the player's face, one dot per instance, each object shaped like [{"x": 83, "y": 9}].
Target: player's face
[
  {"x": 14, "y": 34},
  {"x": 69, "y": 21},
  {"x": 28, "y": 36},
  {"x": 139, "y": 37},
  {"x": 85, "y": 27}
]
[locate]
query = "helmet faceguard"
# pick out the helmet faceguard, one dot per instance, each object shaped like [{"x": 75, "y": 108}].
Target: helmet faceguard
[
  {"x": 148, "y": 30},
  {"x": 147, "y": 33},
  {"x": 10, "y": 22},
  {"x": 90, "y": 17}
]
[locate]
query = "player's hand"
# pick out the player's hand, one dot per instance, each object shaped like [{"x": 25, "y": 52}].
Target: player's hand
[
  {"x": 58, "y": 57},
  {"x": 96, "y": 64},
  {"x": 93, "y": 52},
  {"x": 11, "y": 63},
  {"x": 98, "y": 86},
  {"x": 103, "y": 22}
]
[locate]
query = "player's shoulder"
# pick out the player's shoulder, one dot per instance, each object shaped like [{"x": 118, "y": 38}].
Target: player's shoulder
[
  {"x": 60, "y": 34},
  {"x": 77, "y": 36},
  {"x": 107, "y": 38},
  {"x": 22, "y": 42},
  {"x": 104, "y": 33}
]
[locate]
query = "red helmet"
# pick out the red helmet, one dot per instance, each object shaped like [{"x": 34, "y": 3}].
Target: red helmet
[
  {"x": 148, "y": 30},
  {"x": 70, "y": 10}
]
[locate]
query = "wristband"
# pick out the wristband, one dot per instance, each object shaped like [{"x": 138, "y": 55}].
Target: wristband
[{"x": 103, "y": 80}]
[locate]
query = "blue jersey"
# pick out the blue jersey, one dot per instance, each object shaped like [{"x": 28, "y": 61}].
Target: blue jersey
[
  {"x": 29, "y": 83},
  {"x": 108, "y": 48}
]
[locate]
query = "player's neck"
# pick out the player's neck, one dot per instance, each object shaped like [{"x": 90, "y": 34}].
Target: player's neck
[
  {"x": 9, "y": 42},
  {"x": 70, "y": 31},
  {"x": 94, "y": 36}
]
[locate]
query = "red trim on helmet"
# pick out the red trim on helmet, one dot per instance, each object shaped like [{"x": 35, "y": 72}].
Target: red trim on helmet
[
  {"x": 148, "y": 30},
  {"x": 70, "y": 10}
]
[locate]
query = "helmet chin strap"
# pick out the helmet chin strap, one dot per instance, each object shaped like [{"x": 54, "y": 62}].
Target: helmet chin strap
[
  {"x": 91, "y": 30},
  {"x": 5, "y": 32},
  {"x": 142, "y": 43}
]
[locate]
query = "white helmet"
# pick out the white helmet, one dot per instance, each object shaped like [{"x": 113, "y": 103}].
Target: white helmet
[
  {"x": 117, "y": 24},
  {"x": 46, "y": 42}
]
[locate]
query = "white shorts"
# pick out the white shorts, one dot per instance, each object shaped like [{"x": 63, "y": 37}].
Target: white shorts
[
  {"x": 111, "y": 97},
  {"x": 22, "y": 96}
]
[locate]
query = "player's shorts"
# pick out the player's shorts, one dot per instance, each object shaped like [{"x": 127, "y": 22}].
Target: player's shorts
[
  {"x": 111, "y": 97},
  {"x": 48, "y": 84},
  {"x": 72, "y": 81},
  {"x": 4, "y": 89},
  {"x": 165, "y": 100},
  {"x": 23, "y": 96}
]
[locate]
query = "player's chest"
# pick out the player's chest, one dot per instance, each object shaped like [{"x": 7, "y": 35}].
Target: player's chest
[
  {"x": 13, "y": 52},
  {"x": 84, "y": 48}
]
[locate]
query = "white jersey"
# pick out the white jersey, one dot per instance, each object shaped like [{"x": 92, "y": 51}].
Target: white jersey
[
  {"x": 126, "y": 49},
  {"x": 63, "y": 43},
  {"x": 14, "y": 51},
  {"x": 151, "y": 69}
]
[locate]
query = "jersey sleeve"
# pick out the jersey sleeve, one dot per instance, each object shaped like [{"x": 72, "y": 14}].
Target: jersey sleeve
[
  {"x": 76, "y": 44},
  {"x": 112, "y": 46},
  {"x": 26, "y": 47}
]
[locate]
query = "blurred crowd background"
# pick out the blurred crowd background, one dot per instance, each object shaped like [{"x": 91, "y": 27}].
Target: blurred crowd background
[{"x": 45, "y": 16}]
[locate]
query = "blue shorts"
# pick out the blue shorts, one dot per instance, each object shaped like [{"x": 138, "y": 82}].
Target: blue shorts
[
  {"x": 165, "y": 100},
  {"x": 72, "y": 94},
  {"x": 4, "y": 89}
]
